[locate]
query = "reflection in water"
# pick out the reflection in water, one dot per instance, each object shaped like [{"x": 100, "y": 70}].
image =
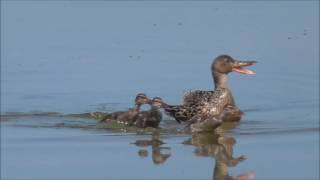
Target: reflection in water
[
  {"x": 220, "y": 147},
  {"x": 159, "y": 153},
  {"x": 215, "y": 145}
]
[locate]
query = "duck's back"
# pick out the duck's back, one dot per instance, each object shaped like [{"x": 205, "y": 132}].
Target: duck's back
[
  {"x": 191, "y": 98},
  {"x": 198, "y": 97},
  {"x": 123, "y": 117},
  {"x": 203, "y": 103}
]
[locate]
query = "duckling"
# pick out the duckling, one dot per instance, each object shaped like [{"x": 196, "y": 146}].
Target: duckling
[
  {"x": 204, "y": 110},
  {"x": 152, "y": 117},
  {"x": 128, "y": 117}
]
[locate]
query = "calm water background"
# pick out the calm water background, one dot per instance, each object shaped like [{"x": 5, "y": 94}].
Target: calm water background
[{"x": 83, "y": 56}]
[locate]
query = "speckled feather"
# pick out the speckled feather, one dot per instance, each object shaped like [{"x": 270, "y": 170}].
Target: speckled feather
[
  {"x": 194, "y": 97},
  {"x": 206, "y": 103},
  {"x": 205, "y": 110}
]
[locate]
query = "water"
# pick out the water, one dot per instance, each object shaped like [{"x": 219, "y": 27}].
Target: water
[{"x": 76, "y": 57}]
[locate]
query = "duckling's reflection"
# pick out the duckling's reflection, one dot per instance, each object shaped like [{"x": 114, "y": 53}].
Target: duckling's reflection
[
  {"x": 220, "y": 147},
  {"x": 160, "y": 153}
]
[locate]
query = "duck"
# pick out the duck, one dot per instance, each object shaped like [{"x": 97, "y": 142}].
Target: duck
[
  {"x": 128, "y": 117},
  {"x": 152, "y": 117},
  {"x": 206, "y": 110}
]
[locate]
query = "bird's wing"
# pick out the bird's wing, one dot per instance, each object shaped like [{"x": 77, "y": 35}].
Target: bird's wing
[
  {"x": 191, "y": 98},
  {"x": 217, "y": 102}
]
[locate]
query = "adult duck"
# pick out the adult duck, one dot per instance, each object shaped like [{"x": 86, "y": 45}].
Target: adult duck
[{"x": 205, "y": 110}]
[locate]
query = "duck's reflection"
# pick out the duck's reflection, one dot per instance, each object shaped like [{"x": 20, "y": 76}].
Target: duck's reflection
[
  {"x": 216, "y": 145},
  {"x": 160, "y": 153},
  {"x": 220, "y": 147},
  {"x": 213, "y": 145}
]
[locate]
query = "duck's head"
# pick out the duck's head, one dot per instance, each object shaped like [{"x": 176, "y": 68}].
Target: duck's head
[
  {"x": 225, "y": 64},
  {"x": 141, "y": 99},
  {"x": 157, "y": 102}
]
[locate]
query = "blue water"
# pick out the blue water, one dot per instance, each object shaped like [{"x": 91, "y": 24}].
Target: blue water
[{"x": 83, "y": 56}]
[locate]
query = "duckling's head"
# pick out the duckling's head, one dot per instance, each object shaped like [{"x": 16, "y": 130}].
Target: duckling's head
[
  {"x": 141, "y": 99},
  {"x": 225, "y": 64},
  {"x": 157, "y": 102}
]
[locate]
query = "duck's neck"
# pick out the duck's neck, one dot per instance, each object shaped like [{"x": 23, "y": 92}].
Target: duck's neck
[{"x": 220, "y": 80}]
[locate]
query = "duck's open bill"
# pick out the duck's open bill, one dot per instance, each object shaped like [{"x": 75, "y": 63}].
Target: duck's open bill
[{"x": 238, "y": 67}]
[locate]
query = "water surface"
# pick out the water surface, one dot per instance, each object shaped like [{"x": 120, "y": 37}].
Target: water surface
[{"x": 60, "y": 58}]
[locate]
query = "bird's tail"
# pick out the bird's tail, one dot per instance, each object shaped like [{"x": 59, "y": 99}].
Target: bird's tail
[{"x": 177, "y": 112}]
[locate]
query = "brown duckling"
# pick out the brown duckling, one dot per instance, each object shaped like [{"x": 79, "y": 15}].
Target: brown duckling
[
  {"x": 130, "y": 116},
  {"x": 152, "y": 117}
]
